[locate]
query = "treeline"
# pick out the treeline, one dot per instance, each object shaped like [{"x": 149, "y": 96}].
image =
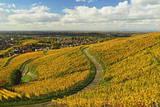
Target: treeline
[{"x": 66, "y": 33}]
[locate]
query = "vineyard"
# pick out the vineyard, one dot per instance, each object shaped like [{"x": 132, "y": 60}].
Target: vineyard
[
  {"x": 131, "y": 74},
  {"x": 15, "y": 63},
  {"x": 129, "y": 66},
  {"x": 44, "y": 75},
  {"x": 3, "y": 61},
  {"x": 5, "y": 95},
  {"x": 62, "y": 70}
]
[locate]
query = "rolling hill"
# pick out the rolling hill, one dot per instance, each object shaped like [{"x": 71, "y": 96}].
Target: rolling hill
[
  {"x": 131, "y": 73},
  {"x": 119, "y": 72}
]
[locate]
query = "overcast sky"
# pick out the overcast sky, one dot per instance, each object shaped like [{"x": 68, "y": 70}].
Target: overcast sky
[{"x": 83, "y": 15}]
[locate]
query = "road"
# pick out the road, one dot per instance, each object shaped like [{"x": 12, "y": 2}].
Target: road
[{"x": 99, "y": 69}]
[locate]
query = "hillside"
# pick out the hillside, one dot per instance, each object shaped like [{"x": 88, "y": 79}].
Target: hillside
[
  {"x": 29, "y": 76},
  {"x": 131, "y": 73},
  {"x": 119, "y": 72}
]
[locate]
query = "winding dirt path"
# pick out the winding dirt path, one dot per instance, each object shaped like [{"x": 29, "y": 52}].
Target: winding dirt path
[{"x": 99, "y": 71}]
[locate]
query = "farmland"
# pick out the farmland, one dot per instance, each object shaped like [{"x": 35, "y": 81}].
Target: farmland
[
  {"x": 130, "y": 77},
  {"x": 68, "y": 71},
  {"x": 118, "y": 72},
  {"x": 5, "y": 94}
]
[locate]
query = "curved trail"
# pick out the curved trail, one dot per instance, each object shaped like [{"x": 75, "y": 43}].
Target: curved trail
[{"x": 99, "y": 71}]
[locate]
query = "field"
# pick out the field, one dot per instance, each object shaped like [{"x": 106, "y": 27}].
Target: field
[
  {"x": 5, "y": 95},
  {"x": 3, "y": 62},
  {"x": 119, "y": 72},
  {"x": 68, "y": 71},
  {"x": 62, "y": 70},
  {"x": 131, "y": 74},
  {"x": 15, "y": 64}
]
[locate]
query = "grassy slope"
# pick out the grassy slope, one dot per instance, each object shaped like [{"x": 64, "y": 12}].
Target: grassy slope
[{"x": 131, "y": 76}]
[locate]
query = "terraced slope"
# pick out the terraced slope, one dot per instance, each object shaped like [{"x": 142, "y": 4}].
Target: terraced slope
[
  {"x": 61, "y": 70},
  {"x": 96, "y": 69},
  {"x": 15, "y": 63},
  {"x": 3, "y": 62},
  {"x": 8, "y": 65},
  {"x": 53, "y": 75},
  {"x": 131, "y": 74},
  {"x": 6, "y": 95}
]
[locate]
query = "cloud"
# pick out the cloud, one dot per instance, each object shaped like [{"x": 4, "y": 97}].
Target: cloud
[
  {"x": 84, "y": 14},
  {"x": 122, "y": 12},
  {"x": 35, "y": 14},
  {"x": 142, "y": 13},
  {"x": 145, "y": 2},
  {"x": 136, "y": 15},
  {"x": 5, "y": 10}
]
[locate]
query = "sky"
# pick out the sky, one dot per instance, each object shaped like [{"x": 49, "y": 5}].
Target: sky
[{"x": 80, "y": 15}]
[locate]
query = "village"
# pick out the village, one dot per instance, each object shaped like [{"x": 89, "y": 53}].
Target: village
[{"x": 12, "y": 46}]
